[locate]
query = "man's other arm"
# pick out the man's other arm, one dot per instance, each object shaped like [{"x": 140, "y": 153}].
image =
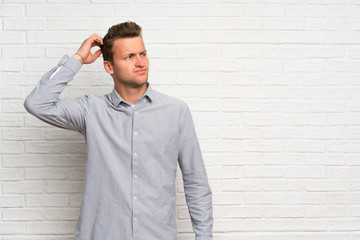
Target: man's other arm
[{"x": 197, "y": 190}]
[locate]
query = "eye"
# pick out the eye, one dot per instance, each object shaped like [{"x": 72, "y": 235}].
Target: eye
[{"x": 129, "y": 56}]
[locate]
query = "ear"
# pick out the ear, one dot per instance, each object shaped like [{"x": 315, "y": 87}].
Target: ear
[{"x": 108, "y": 67}]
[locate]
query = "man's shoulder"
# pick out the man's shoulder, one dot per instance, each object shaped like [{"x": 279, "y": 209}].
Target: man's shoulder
[{"x": 167, "y": 99}]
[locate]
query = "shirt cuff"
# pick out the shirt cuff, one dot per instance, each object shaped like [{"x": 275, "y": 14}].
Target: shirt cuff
[
  {"x": 73, "y": 64},
  {"x": 203, "y": 238}
]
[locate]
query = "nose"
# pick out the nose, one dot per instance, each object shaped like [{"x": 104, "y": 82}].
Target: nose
[{"x": 139, "y": 61}]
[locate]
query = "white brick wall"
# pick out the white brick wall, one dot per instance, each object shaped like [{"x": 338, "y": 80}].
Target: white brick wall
[{"x": 274, "y": 87}]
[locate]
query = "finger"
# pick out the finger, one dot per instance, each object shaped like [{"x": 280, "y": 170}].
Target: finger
[
  {"x": 96, "y": 37},
  {"x": 97, "y": 53}
]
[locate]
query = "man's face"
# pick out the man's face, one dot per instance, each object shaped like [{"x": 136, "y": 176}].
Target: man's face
[{"x": 130, "y": 67}]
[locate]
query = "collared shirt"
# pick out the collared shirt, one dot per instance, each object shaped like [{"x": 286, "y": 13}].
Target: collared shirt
[{"x": 132, "y": 157}]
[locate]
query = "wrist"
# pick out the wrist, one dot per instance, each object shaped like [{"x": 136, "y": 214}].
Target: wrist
[{"x": 78, "y": 57}]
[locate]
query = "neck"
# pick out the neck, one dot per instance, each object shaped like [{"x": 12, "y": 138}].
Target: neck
[{"x": 131, "y": 94}]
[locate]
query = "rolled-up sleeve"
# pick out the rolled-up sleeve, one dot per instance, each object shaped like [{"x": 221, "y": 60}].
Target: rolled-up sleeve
[{"x": 197, "y": 190}]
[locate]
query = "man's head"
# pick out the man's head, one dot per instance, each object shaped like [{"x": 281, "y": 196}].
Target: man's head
[
  {"x": 125, "y": 56},
  {"x": 121, "y": 30}
]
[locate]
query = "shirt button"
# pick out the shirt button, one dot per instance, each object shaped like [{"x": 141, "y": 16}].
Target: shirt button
[
  {"x": 135, "y": 154},
  {"x": 135, "y": 219},
  {"x": 135, "y": 176},
  {"x": 135, "y": 198},
  {"x": 135, "y": 133}
]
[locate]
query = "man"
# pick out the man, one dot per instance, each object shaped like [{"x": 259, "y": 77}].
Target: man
[{"x": 135, "y": 136}]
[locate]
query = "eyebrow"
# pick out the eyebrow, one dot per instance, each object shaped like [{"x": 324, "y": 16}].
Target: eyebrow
[{"x": 132, "y": 53}]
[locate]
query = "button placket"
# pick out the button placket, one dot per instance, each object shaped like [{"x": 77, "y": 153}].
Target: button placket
[{"x": 135, "y": 174}]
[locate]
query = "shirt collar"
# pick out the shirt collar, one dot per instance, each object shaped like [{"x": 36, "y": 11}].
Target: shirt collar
[{"x": 116, "y": 99}]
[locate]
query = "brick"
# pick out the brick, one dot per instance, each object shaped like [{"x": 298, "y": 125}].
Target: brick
[
  {"x": 11, "y": 147},
  {"x": 23, "y": 24},
  {"x": 11, "y": 120},
  {"x": 261, "y": 120},
  {"x": 45, "y": 173},
  {"x": 264, "y": 37},
  {"x": 180, "y": 37},
  {"x": 53, "y": 227},
  {"x": 11, "y": 65},
  {"x": 324, "y": 211},
  {"x": 223, "y": 172},
  {"x": 46, "y": 147},
  {"x": 92, "y": 10},
  {"x": 238, "y": 185},
  {"x": 23, "y": 161},
  {"x": 282, "y": 133},
  {"x": 12, "y": 228},
  {"x": 197, "y": 78},
  {"x": 60, "y": 214},
  {"x": 341, "y": 198},
  {"x": 343, "y": 225},
  {"x": 68, "y": 24},
  {"x": 240, "y": 133},
  {"x": 342, "y": 146},
  {"x": 325, "y": 24},
  {"x": 11, "y": 174},
  {"x": 64, "y": 186},
  {"x": 183, "y": 11},
  {"x": 328, "y": 106},
  {"x": 305, "y": 172},
  {"x": 196, "y": 23},
  {"x": 264, "y": 198},
  {"x": 47, "y": 200},
  {"x": 11, "y": 201},
  {"x": 306, "y": 198},
  {"x": 12, "y": 10},
  {"x": 227, "y": 198},
  {"x": 305, "y": 66},
  {"x": 271, "y": 10},
  {"x": 237, "y": 52},
  {"x": 12, "y": 37},
  {"x": 47, "y": 10},
  {"x": 325, "y": 133},
  {"x": 263, "y": 172},
  {"x": 284, "y": 212},
  {"x": 348, "y": 11},
  {"x": 23, "y": 51},
  {"x": 324, "y": 52},
  {"x": 22, "y": 134},
  {"x": 285, "y": 225},
  {"x": 241, "y": 212},
  {"x": 22, "y": 215},
  {"x": 282, "y": 185},
  {"x": 284, "y": 24},
  {"x": 24, "y": 187},
  {"x": 13, "y": 106},
  {"x": 215, "y": 10},
  {"x": 343, "y": 37},
  {"x": 241, "y": 23},
  {"x": 305, "y": 11},
  {"x": 325, "y": 185},
  {"x": 228, "y": 225},
  {"x": 76, "y": 174}
]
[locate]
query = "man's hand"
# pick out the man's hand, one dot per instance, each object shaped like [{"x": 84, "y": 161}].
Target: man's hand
[{"x": 84, "y": 54}]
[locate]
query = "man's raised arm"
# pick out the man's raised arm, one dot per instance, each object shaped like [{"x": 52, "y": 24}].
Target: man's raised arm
[{"x": 43, "y": 102}]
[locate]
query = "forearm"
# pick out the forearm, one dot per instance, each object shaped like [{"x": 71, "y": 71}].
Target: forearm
[
  {"x": 47, "y": 91},
  {"x": 44, "y": 103}
]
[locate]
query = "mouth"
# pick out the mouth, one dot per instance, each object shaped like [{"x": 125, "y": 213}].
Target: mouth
[{"x": 141, "y": 71}]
